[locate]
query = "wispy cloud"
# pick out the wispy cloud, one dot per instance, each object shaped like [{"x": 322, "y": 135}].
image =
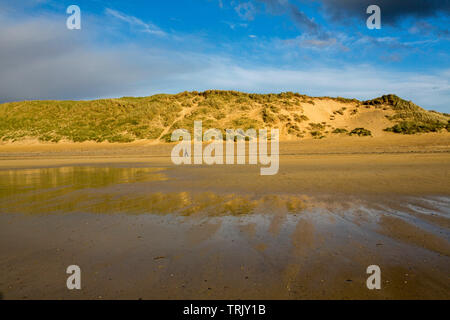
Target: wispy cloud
[
  {"x": 234, "y": 25},
  {"x": 355, "y": 81},
  {"x": 427, "y": 29},
  {"x": 314, "y": 43},
  {"x": 300, "y": 18},
  {"x": 135, "y": 22},
  {"x": 246, "y": 10}
]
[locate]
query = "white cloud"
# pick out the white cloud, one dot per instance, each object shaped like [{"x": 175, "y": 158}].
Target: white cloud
[
  {"x": 233, "y": 25},
  {"x": 362, "y": 82},
  {"x": 42, "y": 60},
  {"x": 135, "y": 22}
]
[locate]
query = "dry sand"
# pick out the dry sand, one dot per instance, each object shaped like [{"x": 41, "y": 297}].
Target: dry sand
[{"x": 152, "y": 230}]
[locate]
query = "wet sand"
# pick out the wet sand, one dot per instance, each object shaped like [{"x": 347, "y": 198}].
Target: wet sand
[{"x": 141, "y": 228}]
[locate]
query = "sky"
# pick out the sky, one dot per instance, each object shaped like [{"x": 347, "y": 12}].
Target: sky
[{"x": 144, "y": 47}]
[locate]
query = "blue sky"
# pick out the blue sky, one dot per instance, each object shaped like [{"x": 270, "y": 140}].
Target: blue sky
[{"x": 139, "y": 48}]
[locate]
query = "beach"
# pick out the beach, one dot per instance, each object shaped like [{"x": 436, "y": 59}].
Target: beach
[{"x": 140, "y": 227}]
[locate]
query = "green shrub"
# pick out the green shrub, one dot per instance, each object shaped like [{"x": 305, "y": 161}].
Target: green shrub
[
  {"x": 267, "y": 116},
  {"x": 316, "y": 126},
  {"x": 300, "y": 118},
  {"x": 409, "y": 127},
  {"x": 275, "y": 109},
  {"x": 292, "y": 128},
  {"x": 339, "y": 130},
  {"x": 345, "y": 100},
  {"x": 360, "y": 132},
  {"x": 245, "y": 123},
  {"x": 167, "y": 137}
]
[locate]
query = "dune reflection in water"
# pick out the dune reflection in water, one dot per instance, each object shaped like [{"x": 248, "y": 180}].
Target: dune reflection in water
[{"x": 94, "y": 190}]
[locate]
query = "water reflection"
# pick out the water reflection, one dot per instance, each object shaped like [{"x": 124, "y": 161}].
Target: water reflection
[
  {"x": 107, "y": 190},
  {"x": 85, "y": 189},
  {"x": 47, "y": 189},
  {"x": 24, "y": 180},
  {"x": 205, "y": 203}
]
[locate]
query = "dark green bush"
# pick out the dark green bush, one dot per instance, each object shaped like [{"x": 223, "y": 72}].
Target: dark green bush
[
  {"x": 316, "y": 126},
  {"x": 410, "y": 127},
  {"x": 267, "y": 116},
  {"x": 360, "y": 132},
  {"x": 339, "y": 130}
]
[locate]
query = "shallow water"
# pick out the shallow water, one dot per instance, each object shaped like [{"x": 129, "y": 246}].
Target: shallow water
[
  {"x": 123, "y": 223},
  {"x": 121, "y": 190}
]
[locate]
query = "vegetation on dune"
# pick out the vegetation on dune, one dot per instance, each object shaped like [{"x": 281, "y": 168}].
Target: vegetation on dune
[
  {"x": 410, "y": 127},
  {"x": 316, "y": 130},
  {"x": 316, "y": 126},
  {"x": 127, "y": 119},
  {"x": 300, "y": 118},
  {"x": 339, "y": 130},
  {"x": 360, "y": 132},
  {"x": 317, "y": 134},
  {"x": 245, "y": 123},
  {"x": 410, "y": 118},
  {"x": 118, "y": 120},
  {"x": 155, "y": 117},
  {"x": 341, "y": 99},
  {"x": 268, "y": 116}
]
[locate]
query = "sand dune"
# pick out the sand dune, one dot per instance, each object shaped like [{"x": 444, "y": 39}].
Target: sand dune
[{"x": 153, "y": 119}]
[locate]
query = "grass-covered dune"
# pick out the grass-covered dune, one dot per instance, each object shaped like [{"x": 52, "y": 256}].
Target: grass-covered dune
[{"x": 154, "y": 118}]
